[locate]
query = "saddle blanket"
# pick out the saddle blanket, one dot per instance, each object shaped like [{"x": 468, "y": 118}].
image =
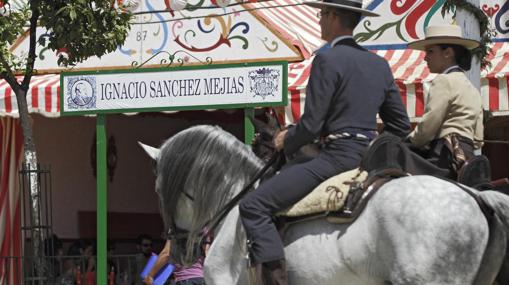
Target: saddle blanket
[{"x": 329, "y": 196}]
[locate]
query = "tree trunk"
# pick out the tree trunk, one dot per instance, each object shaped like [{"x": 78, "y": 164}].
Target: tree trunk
[
  {"x": 471, "y": 30},
  {"x": 30, "y": 156}
]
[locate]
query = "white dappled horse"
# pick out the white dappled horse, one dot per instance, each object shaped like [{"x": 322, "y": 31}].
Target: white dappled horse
[{"x": 414, "y": 230}]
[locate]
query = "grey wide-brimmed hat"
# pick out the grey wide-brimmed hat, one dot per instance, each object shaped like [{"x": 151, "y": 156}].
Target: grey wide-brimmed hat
[
  {"x": 350, "y": 5},
  {"x": 447, "y": 34}
]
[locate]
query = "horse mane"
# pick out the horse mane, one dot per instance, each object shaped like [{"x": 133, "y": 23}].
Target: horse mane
[{"x": 211, "y": 165}]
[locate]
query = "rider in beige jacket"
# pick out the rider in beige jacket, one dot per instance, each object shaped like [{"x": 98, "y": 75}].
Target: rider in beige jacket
[
  {"x": 452, "y": 125},
  {"x": 454, "y": 106}
]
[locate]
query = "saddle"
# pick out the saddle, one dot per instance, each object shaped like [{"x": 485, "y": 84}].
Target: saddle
[
  {"x": 339, "y": 199},
  {"x": 329, "y": 196},
  {"x": 361, "y": 193}
]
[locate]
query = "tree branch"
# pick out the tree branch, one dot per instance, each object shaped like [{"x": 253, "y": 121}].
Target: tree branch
[
  {"x": 33, "y": 45},
  {"x": 8, "y": 75}
]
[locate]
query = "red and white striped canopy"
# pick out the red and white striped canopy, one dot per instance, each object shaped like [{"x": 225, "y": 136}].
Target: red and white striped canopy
[
  {"x": 408, "y": 67},
  {"x": 43, "y": 96},
  {"x": 413, "y": 79},
  {"x": 299, "y": 24}
]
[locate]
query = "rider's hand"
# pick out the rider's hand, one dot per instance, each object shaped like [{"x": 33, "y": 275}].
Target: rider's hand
[
  {"x": 279, "y": 140},
  {"x": 148, "y": 280}
]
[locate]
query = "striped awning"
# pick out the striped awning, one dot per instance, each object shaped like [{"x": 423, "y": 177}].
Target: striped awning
[
  {"x": 413, "y": 79},
  {"x": 408, "y": 66},
  {"x": 299, "y": 24},
  {"x": 43, "y": 97},
  {"x": 411, "y": 74},
  {"x": 494, "y": 80}
]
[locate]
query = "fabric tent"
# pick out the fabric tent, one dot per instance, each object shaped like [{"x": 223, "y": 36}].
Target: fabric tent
[
  {"x": 408, "y": 66},
  {"x": 299, "y": 25},
  {"x": 10, "y": 202},
  {"x": 413, "y": 79}
]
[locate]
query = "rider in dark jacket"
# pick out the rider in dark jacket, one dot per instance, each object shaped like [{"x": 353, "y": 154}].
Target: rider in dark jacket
[{"x": 348, "y": 87}]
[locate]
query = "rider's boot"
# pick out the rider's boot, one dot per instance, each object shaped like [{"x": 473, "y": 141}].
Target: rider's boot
[
  {"x": 277, "y": 272},
  {"x": 476, "y": 173},
  {"x": 270, "y": 273},
  {"x": 259, "y": 276}
]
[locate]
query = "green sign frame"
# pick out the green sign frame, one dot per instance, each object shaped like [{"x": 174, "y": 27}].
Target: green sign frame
[{"x": 283, "y": 102}]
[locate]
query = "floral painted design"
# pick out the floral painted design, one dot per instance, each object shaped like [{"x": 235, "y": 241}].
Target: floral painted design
[
  {"x": 409, "y": 13},
  {"x": 226, "y": 31}
]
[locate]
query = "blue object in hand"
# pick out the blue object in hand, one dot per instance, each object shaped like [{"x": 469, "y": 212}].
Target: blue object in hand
[
  {"x": 150, "y": 263},
  {"x": 162, "y": 275}
]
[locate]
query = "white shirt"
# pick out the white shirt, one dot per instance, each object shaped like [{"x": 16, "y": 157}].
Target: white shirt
[
  {"x": 451, "y": 68},
  {"x": 340, "y": 38}
]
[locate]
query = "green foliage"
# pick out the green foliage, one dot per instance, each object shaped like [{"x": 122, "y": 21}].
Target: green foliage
[
  {"x": 11, "y": 27},
  {"x": 82, "y": 28}
]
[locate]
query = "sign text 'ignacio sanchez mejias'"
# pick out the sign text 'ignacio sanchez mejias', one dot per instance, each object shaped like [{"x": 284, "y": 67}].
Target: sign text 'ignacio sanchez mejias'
[
  {"x": 191, "y": 88},
  {"x": 169, "y": 88}
]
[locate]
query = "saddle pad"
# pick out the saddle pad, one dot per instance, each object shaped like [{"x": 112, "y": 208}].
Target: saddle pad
[{"x": 330, "y": 195}]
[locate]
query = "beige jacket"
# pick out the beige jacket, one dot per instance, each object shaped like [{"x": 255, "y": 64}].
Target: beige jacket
[{"x": 454, "y": 106}]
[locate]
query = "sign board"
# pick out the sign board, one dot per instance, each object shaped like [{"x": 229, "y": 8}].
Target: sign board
[{"x": 183, "y": 88}]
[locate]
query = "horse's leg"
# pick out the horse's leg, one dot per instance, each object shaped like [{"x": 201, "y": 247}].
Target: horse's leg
[
  {"x": 226, "y": 261},
  {"x": 498, "y": 246},
  {"x": 503, "y": 275},
  {"x": 431, "y": 232}
]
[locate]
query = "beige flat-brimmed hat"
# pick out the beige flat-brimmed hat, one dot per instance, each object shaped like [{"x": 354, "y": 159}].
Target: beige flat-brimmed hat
[
  {"x": 350, "y": 5},
  {"x": 449, "y": 34}
]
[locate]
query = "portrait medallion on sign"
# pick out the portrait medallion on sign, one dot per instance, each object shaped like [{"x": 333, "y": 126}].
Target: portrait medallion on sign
[
  {"x": 264, "y": 82},
  {"x": 81, "y": 93}
]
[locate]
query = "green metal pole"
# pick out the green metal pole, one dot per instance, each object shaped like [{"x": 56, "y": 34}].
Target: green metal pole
[
  {"x": 102, "y": 199},
  {"x": 248, "y": 126}
]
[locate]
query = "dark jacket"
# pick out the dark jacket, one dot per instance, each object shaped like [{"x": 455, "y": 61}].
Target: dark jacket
[{"x": 347, "y": 87}]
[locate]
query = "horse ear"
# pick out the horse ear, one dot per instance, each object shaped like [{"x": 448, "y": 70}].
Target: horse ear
[
  {"x": 272, "y": 120},
  {"x": 262, "y": 128},
  {"x": 151, "y": 151}
]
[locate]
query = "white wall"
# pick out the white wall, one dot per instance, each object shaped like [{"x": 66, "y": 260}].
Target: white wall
[{"x": 65, "y": 144}]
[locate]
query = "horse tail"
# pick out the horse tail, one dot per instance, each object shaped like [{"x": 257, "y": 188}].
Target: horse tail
[{"x": 495, "y": 256}]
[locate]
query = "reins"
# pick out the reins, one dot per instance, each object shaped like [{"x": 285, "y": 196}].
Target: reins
[
  {"x": 493, "y": 141},
  {"x": 212, "y": 223}
]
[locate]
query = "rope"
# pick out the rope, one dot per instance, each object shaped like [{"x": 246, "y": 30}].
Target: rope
[{"x": 493, "y": 141}]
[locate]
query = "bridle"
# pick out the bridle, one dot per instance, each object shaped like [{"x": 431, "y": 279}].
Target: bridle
[{"x": 178, "y": 234}]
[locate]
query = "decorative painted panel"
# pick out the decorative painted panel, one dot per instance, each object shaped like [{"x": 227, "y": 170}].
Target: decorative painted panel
[
  {"x": 401, "y": 21},
  {"x": 202, "y": 33}
]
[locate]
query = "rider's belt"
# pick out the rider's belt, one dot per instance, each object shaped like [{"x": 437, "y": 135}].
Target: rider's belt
[{"x": 347, "y": 135}]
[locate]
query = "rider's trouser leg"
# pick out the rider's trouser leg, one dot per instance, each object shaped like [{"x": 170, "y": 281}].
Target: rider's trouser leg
[{"x": 285, "y": 189}]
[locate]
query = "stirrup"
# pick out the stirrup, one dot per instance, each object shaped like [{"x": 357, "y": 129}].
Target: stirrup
[{"x": 360, "y": 193}]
